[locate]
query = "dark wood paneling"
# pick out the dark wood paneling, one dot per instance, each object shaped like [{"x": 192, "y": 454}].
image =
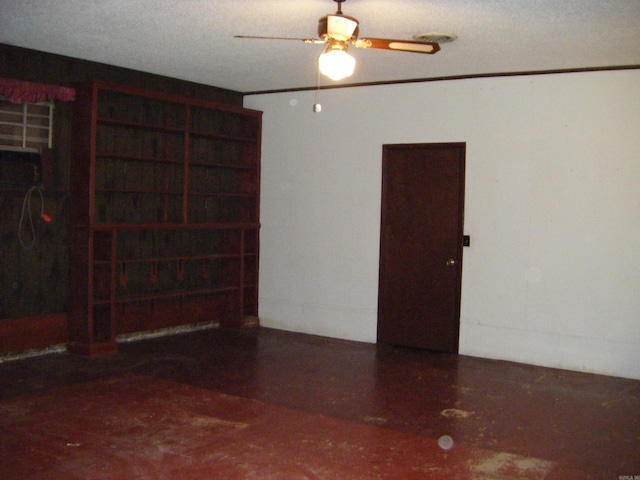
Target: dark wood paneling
[
  {"x": 33, "y": 332},
  {"x": 34, "y": 283},
  {"x": 35, "y": 66}
]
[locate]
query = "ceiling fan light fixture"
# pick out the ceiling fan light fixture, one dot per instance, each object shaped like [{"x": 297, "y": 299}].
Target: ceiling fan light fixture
[
  {"x": 335, "y": 62},
  {"x": 337, "y": 30}
]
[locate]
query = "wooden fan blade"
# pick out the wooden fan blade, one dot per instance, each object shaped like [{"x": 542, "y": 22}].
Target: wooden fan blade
[
  {"x": 305, "y": 40},
  {"x": 400, "y": 45}
]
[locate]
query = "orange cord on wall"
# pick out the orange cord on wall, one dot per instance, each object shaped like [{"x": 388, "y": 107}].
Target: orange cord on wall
[{"x": 26, "y": 206}]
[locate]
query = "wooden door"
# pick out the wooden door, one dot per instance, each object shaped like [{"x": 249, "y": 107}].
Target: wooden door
[{"x": 421, "y": 245}]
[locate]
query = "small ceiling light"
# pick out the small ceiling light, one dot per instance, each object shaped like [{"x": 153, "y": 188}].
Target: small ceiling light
[
  {"x": 335, "y": 62},
  {"x": 435, "y": 37}
]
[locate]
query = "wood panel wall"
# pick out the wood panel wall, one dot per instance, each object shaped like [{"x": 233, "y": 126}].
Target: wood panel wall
[{"x": 34, "y": 282}]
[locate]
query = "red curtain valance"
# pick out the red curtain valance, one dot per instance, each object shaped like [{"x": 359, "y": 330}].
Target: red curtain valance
[{"x": 17, "y": 91}]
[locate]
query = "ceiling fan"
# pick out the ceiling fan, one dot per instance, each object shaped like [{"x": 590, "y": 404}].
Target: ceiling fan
[{"x": 337, "y": 31}]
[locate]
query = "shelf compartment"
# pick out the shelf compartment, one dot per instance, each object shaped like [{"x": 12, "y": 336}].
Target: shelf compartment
[
  {"x": 126, "y": 172},
  {"x": 222, "y": 209},
  {"x": 250, "y": 274},
  {"x": 251, "y": 241},
  {"x": 145, "y": 315},
  {"x": 207, "y": 121},
  {"x": 250, "y": 301},
  {"x": 143, "y": 280},
  {"x": 113, "y": 207},
  {"x": 146, "y": 244},
  {"x": 102, "y": 280},
  {"x": 126, "y": 139},
  {"x": 215, "y": 179},
  {"x": 102, "y": 246},
  {"x": 140, "y": 110},
  {"x": 205, "y": 150}
]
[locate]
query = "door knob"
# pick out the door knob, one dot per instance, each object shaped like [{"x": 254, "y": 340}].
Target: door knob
[{"x": 451, "y": 262}]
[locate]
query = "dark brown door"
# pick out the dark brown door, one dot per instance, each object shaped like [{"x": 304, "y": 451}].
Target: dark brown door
[{"x": 421, "y": 245}]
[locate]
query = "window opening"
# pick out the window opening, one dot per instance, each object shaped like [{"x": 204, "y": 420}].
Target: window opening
[{"x": 26, "y": 126}]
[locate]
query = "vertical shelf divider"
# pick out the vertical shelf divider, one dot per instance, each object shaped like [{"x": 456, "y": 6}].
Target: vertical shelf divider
[{"x": 185, "y": 168}]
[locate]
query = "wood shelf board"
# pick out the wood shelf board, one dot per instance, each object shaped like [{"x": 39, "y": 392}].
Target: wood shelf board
[
  {"x": 140, "y": 126},
  {"x": 176, "y": 294},
  {"x": 174, "y": 226},
  {"x": 177, "y": 258}
]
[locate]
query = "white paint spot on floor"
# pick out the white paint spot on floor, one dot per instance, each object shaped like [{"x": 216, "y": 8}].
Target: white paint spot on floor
[
  {"x": 455, "y": 413},
  {"x": 378, "y": 420},
  {"x": 502, "y": 465},
  {"x": 201, "y": 421}
]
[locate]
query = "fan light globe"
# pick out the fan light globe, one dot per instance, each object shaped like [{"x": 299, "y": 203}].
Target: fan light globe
[{"x": 336, "y": 64}]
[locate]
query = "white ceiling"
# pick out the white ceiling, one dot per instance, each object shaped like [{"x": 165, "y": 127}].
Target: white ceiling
[{"x": 193, "y": 39}]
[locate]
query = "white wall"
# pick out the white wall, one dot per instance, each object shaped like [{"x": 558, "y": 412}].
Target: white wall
[{"x": 552, "y": 205}]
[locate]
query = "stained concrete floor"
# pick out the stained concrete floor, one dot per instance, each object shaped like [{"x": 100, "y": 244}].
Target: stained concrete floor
[{"x": 265, "y": 404}]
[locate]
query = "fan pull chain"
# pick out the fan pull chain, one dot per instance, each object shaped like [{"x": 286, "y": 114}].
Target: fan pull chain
[{"x": 317, "y": 107}]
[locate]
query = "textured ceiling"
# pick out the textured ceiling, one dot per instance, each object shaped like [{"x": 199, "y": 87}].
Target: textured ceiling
[{"x": 193, "y": 39}]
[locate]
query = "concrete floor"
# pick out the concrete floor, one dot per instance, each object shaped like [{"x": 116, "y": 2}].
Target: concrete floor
[{"x": 265, "y": 404}]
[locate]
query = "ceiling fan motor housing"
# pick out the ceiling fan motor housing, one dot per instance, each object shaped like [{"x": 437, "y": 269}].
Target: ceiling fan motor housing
[{"x": 338, "y": 27}]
